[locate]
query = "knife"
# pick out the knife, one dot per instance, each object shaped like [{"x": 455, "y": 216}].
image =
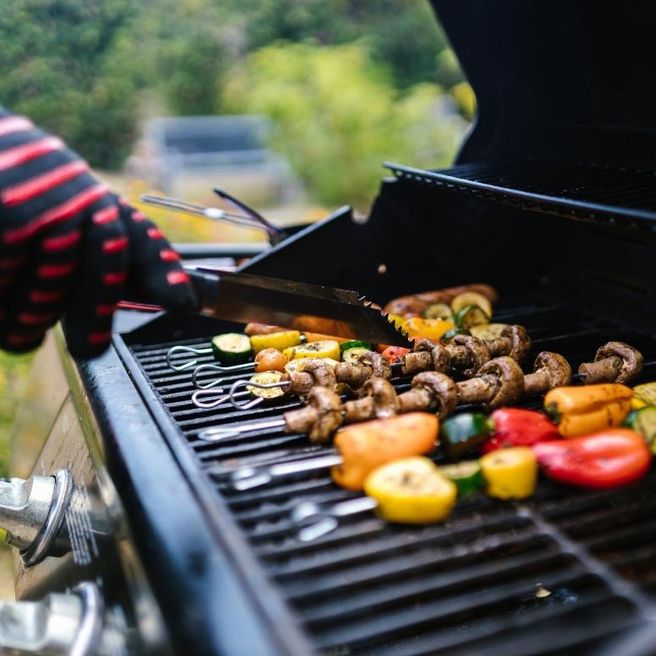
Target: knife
[{"x": 244, "y": 297}]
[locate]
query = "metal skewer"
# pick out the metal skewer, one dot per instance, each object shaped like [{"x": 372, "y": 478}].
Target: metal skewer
[
  {"x": 316, "y": 520},
  {"x": 248, "y": 368},
  {"x": 212, "y": 213},
  {"x": 218, "y": 434},
  {"x": 189, "y": 350},
  {"x": 250, "y": 477}
]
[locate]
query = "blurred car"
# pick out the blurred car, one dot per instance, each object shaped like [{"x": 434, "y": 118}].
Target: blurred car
[{"x": 188, "y": 155}]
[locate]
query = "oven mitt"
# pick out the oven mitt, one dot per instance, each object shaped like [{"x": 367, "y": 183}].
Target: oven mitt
[{"x": 70, "y": 248}]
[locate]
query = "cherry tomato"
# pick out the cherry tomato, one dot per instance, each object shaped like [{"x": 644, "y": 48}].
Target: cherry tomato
[{"x": 270, "y": 359}]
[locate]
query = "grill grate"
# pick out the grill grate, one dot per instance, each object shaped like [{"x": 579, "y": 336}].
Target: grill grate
[
  {"x": 585, "y": 192},
  {"x": 554, "y": 574}
]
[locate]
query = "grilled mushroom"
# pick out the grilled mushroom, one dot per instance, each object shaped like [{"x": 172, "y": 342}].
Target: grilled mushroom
[
  {"x": 468, "y": 354},
  {"x": 514, "y": 341},
  {"x": 499, "y": 382},
  {"x": 441, "y": 389},
  {"x": 615, "y": 362},
  {"x": 320, "y": 418},
  {"x": 550, "y": 370},
  {"x": 378, "y": 400},
  {"x": 427, "y": 355}
]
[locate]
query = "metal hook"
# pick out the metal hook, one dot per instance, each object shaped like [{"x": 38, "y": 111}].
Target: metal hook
[
  {"x": 246, "y": 367},
  {"x": 194, "y": 350},
  {"x": 315, "y": 521},
  {"x": 282, "y": 385}
]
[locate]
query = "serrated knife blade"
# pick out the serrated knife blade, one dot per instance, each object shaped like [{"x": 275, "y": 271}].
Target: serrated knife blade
[{"x": 244, "y": 297}]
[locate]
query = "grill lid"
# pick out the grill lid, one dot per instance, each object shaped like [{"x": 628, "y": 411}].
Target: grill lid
[{"x": 568, "y": 80}]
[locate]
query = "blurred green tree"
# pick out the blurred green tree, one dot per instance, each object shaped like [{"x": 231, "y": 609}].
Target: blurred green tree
[
  {"x": 58, "y": 67},
  {"x": 338, "y": 116}
]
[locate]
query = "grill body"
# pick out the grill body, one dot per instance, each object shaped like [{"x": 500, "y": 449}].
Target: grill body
[{"x": 553, "y": 201}]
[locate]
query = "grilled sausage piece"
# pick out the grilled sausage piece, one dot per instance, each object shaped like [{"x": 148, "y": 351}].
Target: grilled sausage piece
[{"x": 414, "y": 304}]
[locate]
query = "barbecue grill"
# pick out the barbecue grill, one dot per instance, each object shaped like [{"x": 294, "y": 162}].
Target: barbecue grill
[{"x": 553, "y": 201}]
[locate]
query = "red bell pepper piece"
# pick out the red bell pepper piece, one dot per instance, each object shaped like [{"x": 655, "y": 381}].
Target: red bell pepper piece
[
  {"x": 611, "y": 458},
  {"x": 394, "y": 353},
  {"x": 518, "y": 427}
]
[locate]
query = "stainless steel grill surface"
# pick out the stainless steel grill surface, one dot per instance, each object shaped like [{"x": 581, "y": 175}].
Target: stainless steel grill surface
[{"x": 565, "y": 570}]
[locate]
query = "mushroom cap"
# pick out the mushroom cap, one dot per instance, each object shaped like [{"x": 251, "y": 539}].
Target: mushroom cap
[
  {"x": 381, "y": 366},
  {"x": 521, "y": 342},
  {"x": 322, "y": 375},
  {"x": 441, "y": 359},
  {"x": 477, "y": 352},
  {"x": 384, "y": 396},
  {"x": 441, "y": 387},
  {"x": 510, "y": 380},
  {"x": 329, "y": 413},
  {"x": 631, "y": 359},
  {"x": 556, "y": 366}
]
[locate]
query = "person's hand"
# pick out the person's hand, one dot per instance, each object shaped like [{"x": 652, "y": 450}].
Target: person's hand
[{"x": 69, "y": 247}]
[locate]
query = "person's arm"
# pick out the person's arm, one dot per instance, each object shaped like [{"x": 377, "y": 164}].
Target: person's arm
[{"x": 69, "y": 247}]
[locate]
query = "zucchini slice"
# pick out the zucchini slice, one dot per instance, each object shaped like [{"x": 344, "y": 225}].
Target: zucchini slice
[
  {"x": 324, "y": 348},
  {"x": 488, "y": 331},
  {"x": 469, "y": 316},
  {"x": 472, "y": 298},
  {"x": 467, "y": 476},
  {"x": 355, "y": 343},
  {"x": 266, "y": 378},
  {"x": 351, "y": 355},
  {"x": 231, "y": 348},
  {"x": 438, "y": 311},
  {"x": 299, "y": 365}
]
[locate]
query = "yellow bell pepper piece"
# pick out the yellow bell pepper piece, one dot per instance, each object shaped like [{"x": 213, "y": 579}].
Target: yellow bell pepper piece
[
  {"x": 396, "y": 319},
  {"x": 588, "y": 408},
  {"x": 645, "y": 393},
  {"x": 411, "y": 491},
  {"x": 324, "y": 348},
  {"x": 280, "y": 341},
  {"x": 418, "y": 328},
  {"x": 637, "y": 403},
  {"x": 510, "y": 473}
]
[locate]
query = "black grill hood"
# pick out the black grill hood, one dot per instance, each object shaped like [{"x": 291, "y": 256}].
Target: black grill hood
[{"x": 566, "y": 79}]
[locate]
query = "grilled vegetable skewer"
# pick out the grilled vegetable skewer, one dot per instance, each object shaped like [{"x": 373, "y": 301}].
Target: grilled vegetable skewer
[
  {"x": 410, "y": 490},
  {"x": 359, "y": 449},
  {"x": 315, "y": 372},
  {"x": 500, "y": 382},
  {"x": 464, "y": 353}
]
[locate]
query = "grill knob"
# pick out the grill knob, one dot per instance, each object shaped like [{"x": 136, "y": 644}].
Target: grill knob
[
  {"x": 59, "y": 624},
  {"x": 32, "y": 512}
]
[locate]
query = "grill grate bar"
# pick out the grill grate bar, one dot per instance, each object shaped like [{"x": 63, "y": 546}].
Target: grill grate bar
[
  {"x": 437, "y": 584},
  {"x": 470, "y": 602},
  {"x": 369, "y": 587}
]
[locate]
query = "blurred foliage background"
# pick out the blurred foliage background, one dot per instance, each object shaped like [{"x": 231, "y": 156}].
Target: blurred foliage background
[{"x": 348, "y": 84}]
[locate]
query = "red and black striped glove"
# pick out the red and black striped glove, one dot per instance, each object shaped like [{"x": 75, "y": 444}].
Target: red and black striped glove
[{"x": 69, "y": 247}]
